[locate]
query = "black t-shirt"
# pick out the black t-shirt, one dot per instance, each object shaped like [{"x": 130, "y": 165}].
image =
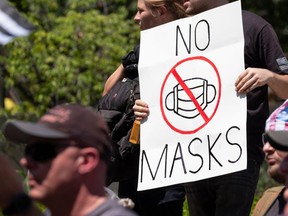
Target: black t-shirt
[{"x": 262, "y": 50}]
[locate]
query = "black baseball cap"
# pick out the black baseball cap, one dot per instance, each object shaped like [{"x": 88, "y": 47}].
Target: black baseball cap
[{"x": 68, "y": 121}]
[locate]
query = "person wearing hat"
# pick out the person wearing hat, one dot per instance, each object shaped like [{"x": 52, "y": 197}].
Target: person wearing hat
[
  {"x": 272, "y": 202},
  {"x": 265, "y": 66},
  {"x": 278, "y": 138},
  {"x": 67, "y": 153},
  {"x": 277, "y": 134}
]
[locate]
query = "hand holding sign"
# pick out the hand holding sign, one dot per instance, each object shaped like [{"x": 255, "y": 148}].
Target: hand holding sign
[
  {"x": 141, "y": 110},
  {"x": 192, "y": 132},
  {"x": 252, "y": 78}
]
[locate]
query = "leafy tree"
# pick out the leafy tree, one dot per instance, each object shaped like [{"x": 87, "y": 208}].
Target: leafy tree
[{"x": 76, "y": 46}]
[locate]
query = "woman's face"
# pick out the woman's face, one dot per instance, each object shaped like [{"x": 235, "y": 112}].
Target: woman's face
[{"x": 144, "y": 17}]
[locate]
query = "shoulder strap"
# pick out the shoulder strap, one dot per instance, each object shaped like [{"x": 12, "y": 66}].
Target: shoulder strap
[
  {"x": 267, "y": 199},
  {"x": 134, "y": 94}
]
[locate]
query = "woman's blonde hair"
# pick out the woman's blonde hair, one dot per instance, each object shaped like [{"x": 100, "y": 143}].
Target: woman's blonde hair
[{"x": 174, "y": 6}]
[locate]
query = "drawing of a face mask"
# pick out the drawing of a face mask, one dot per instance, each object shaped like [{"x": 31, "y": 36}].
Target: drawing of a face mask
[{"x": 180, "y": 103}]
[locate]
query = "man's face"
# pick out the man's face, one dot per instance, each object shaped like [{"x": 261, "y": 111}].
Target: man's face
[
  {"x": 274, "y": 158},
  {"x": 144, "y": 17},
  {"x": 50, "y": 177}
]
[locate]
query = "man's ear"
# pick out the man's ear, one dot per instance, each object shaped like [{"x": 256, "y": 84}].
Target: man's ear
[{"x": 88, "y": 160}]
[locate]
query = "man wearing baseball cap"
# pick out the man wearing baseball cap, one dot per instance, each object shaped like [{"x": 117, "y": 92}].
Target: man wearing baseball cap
[
  {"x": 67, "y": 153},
  {"x": 276, "y": 131},
  {"x": 272, "y": 202},
  {"x": 278, "y": 138}
]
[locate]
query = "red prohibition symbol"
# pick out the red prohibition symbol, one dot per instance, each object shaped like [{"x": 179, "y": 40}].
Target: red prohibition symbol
[{"x": 192, "y": 102}]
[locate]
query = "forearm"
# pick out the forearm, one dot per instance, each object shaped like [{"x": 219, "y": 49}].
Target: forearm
[
  {"x": 117, "y": 75},
  {"x": 279, "y": 85}
]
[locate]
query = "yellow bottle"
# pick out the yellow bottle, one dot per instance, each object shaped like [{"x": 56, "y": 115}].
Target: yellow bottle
[{"x": 135, "y": 133}]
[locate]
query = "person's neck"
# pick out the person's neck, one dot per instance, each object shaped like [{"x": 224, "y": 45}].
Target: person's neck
[
  {"x": 208, "y": 6},
  {"x": 217, "y": 3},
  {"x": 84, "y": 207},
  {"x": 60, "y": 205},
  {"x": 213, "y": 4},
  {"x": 85, "y": 202}
]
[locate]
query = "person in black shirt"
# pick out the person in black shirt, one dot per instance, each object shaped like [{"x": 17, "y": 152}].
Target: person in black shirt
[{"x": 266, "y": 66}]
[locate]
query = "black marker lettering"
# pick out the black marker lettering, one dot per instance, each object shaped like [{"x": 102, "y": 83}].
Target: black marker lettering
[
  {"x": 144, "y": 156},
  {"x": 196, "y": 155},
  {"x": 234, "y": 144},
  {"x": 210, "y": 151},
  {"x": 178, "y": 158}
]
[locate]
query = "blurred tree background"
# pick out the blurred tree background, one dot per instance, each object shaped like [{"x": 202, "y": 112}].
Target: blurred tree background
[{"x": 75, "y": 47}]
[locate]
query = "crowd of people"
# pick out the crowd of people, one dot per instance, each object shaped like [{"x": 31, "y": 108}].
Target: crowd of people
[{"x": 68, "y": 151}]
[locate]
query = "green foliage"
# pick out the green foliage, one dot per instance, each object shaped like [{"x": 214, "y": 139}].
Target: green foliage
[
  {"x": 77, "y": 44},
  {"x": 67, "y": 58},
  {"x": 185, "y": 209},
  {"x": 75, "y": 47}
]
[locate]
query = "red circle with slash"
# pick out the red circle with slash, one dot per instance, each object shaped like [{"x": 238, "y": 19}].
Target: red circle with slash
[{"x": 173, "y": 72}]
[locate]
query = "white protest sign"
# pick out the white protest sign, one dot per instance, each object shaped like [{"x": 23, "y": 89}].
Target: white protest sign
[{"x": 197, "y": 123}]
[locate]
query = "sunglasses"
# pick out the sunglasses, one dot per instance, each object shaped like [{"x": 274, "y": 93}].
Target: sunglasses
[
  {"x": 43, "y": 152},
  {"x": 264, "y": 138}
]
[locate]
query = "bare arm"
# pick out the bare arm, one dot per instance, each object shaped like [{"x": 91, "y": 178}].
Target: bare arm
[
  {"x": 256, "y": 77},
  {"x": 279, "y": 84},
  {"x": 117, "y": 75}
]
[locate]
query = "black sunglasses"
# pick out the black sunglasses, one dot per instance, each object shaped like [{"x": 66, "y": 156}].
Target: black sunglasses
[
  {"x": 43, "y": 152},
  {"x": 264, "y": 138}
]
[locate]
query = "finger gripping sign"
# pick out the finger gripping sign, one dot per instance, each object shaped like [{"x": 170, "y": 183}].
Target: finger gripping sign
[{"x": 192, "y": 102}]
